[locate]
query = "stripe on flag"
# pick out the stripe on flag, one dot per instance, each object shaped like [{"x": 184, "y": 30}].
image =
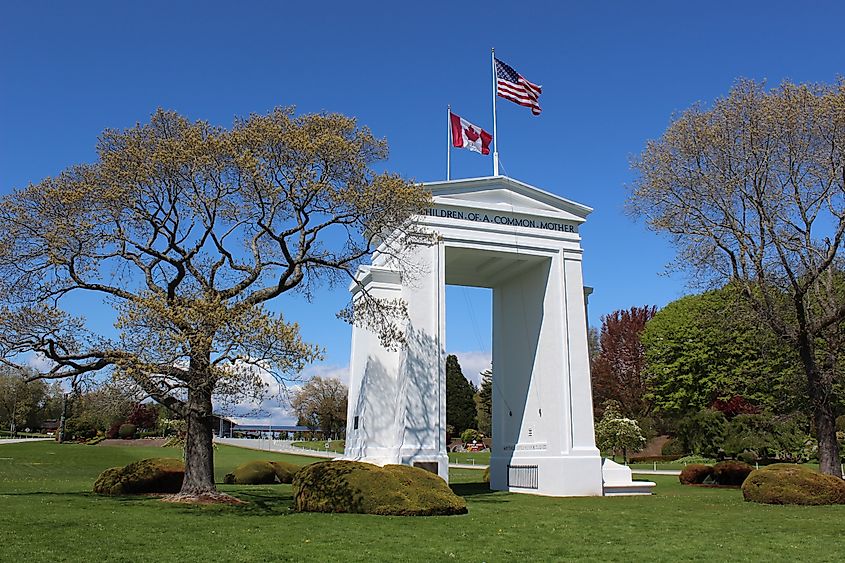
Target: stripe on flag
[{"x": 512, "y": 86}]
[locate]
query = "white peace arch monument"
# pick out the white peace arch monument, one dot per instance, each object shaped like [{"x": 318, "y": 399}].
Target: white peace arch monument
[{"x": 524, "y": 243}]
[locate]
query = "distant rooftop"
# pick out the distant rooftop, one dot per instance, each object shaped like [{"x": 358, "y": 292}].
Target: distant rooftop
[{"x": 271, "y": 427}]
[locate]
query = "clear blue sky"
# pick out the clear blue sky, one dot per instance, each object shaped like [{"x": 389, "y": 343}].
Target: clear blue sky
[{"x": 612, "y": 75}]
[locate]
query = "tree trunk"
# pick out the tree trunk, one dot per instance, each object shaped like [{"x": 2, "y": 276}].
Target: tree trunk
[
  {"x": 820, "y": 390},
  {"x": 199, "y": 451}
]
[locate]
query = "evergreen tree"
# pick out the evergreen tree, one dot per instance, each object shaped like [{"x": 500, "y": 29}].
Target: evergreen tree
[
  {"x": 460, "y": 406},
  {"x": 484, "y": 403}
]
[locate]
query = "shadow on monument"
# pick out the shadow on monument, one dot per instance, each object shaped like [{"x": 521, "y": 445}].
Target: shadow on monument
[
  {"x": 518, "y": 310},
  {"x": 407, "y": 405}
]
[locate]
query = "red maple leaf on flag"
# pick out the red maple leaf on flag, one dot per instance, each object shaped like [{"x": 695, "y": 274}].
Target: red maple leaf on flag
[{"x": 471, "y": 134}]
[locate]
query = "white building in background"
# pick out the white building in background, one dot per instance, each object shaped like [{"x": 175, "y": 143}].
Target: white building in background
[{"x": 524, "y": 244}]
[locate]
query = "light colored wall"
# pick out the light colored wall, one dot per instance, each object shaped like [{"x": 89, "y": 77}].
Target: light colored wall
[{"x": 542, "y": 412}]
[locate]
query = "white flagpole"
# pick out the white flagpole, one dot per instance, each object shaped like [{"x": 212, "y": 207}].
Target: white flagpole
[
  {"x": 495, "y": 133},
  {"x": 448, "y": 142}
]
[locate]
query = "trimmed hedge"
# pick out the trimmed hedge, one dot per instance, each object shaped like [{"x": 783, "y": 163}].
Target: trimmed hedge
[
  {"x": 731, "y": 473},
  {"x": 695, "y": 474},
  {"x": 784, "y": 483},
  {"x": 127, "y": 431},
  {"x": 261, "y": 472},
  {"x": 651, "y": 458},
  {"x": 673, "y": 447},
  {"x": 156, "y": 475},
  {"x": 285, "y": 471},
  {"x": 352, "y": 486}
]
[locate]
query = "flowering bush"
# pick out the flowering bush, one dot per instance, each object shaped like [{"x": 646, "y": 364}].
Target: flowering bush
[{"x": 615, "y": 432}]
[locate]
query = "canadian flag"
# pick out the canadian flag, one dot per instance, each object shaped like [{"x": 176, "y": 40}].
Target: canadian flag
[{"x": 465, "y": 135}]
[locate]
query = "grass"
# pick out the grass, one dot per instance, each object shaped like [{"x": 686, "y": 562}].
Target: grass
[
  {"x": 49, "y": 514},
  {"x": 479, "y": 458},
  {"x": 320, "y": 445}
]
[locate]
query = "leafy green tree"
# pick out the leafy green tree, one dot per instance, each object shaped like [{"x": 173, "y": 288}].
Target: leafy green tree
[
  {"x": 708, "y": 347},
  {"x": 615, "y": 432},
  {"x": 751, "y": 191},
  {"x": 190, "y": 231},
  {"x": 460, "y": 406},
  {"x": 321, "y": 402},
  {"x": 703, "y": 433},
  {"x": 484, "y": 403},
  {"x": 22, "y": 403},
  {"x": 470, "y": 434},
  {"x": 96, "y": 409},
  {"x": 769, "y": 436}
]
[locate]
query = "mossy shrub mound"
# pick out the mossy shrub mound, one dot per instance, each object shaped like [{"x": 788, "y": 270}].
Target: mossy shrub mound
[
  {"x": 731, "y": 473},
  {"x": 260, "y": 472},
  {"x": 285, "y": 471},
  {"x": 351, "y": 486},
  {"x": 785, "y": 483},
  {"x": 695, "y": 474},
  {"x": 156, "y": 475}
]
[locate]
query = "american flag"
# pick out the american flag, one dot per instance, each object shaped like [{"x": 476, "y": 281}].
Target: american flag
[{"x": 512, "y": 86}]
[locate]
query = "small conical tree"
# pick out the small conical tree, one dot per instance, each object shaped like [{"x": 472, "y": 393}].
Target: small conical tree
[
  {"x": 484, "y": 403},
  {"x": 460, "y": 406}
]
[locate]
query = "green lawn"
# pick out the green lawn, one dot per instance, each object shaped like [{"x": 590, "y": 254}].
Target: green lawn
[
  {"x": 48, "y": 514},
  {"x": 320, "y": 445},
  {"x": 479, "y": 458}
]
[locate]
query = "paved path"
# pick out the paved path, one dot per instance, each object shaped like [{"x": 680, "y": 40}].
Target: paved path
[
  {"x": 283, "y": 446},
  {"x": 21, "y": 440},
  {"x": 656, "y": 471}
]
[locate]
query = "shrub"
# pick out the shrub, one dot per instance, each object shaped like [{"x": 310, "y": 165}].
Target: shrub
[
  {"x": 156, "y": 475},
  {"x": 78, "y": 429},
  {"x": 747, "y": 456},
  {"x": 769, "y": 435},
  {"x": 252, "y": 473},
  {"x": 688, "y": 459},
  {"x": 731, "y": 473},
  {"x": 695, "y": 474},
  {"x": 285, "y": 471},
  {"x": 261, "y": 472},
  {"x": 672, "y": 447},
  {"x": 95, "y": 440},
  {"x": 470, "y": 434},
  {"x": 793, "y": 484},
  {"x": 650, "y": 458},
  {"x": 143, "y": 416},
  {"x": 113, "y": 430},
  {"x": 109, "y": 482},
  {"x": 702, "y": 433},
  {"x": 127, "y": 431},
  {"x": 351, "y": 486}
]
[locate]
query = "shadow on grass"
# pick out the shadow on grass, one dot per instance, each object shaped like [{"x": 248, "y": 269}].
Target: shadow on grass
[
  {"x": 478, "y": 491},
  {"x": 264, "y": 502}
]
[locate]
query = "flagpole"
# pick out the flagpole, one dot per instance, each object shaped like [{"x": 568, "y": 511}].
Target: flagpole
[
  {"x": 495, "y": 133},
  {"x": 448, "y": 142}
]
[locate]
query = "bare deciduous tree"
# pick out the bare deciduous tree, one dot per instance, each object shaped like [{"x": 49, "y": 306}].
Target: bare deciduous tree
[
  {"x": 752, "y": 191},
  {"x": 322, "y": 402},
  {"x": 188, "y": 230}
]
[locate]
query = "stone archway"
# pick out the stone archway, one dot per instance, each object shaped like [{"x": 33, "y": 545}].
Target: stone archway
[{"x": 523, "y": 243}]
